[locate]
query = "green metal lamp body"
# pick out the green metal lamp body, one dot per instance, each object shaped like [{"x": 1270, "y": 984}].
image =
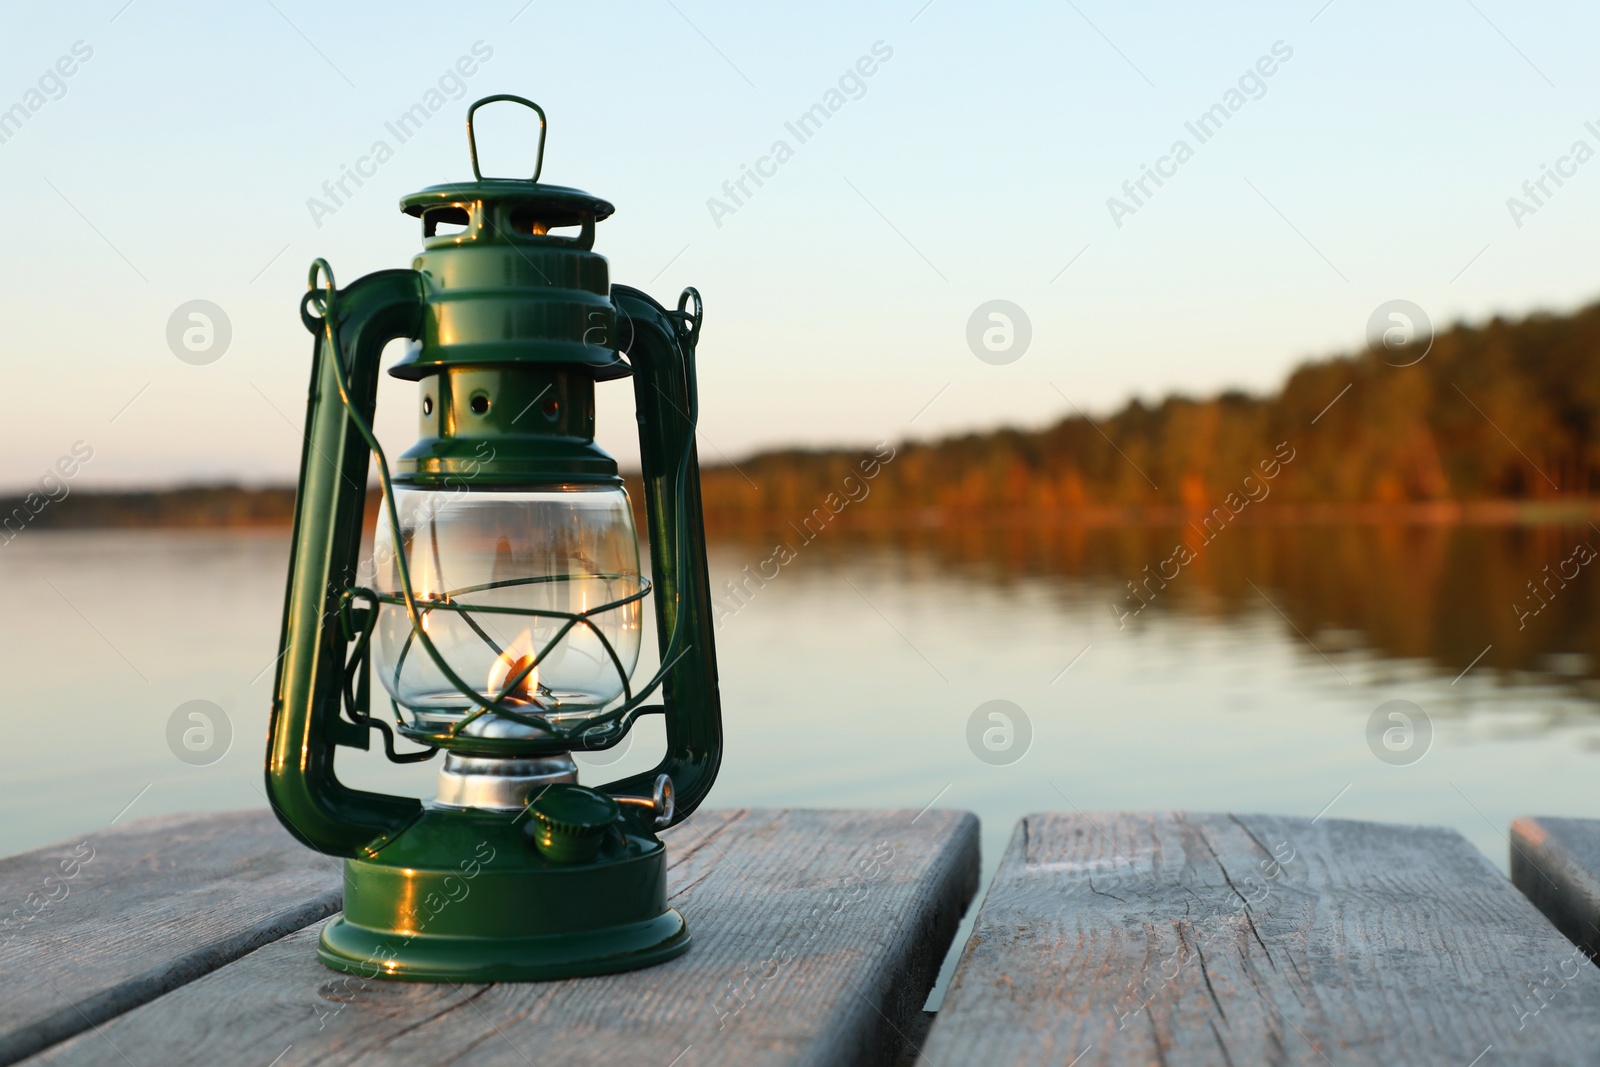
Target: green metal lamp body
[{"x": 511, "y": 327}]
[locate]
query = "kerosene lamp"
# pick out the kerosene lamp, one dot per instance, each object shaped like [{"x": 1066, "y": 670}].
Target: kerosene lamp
[{"x": 504, "y": 600}]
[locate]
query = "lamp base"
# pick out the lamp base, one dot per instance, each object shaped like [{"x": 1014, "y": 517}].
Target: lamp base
[
  {"x": 444, "y": 958},
  {"x": 464, "y": 896}
]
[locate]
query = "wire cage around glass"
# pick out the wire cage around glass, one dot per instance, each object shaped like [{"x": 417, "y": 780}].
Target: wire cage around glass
[{"x": 531, "y": 596}]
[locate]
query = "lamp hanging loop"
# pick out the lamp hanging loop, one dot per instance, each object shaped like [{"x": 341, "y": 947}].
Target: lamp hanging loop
[{"x": 472, "y": 136}]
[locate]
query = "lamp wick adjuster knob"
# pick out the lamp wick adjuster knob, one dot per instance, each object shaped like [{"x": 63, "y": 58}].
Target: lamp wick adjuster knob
[{"x": 661, "y": 802}]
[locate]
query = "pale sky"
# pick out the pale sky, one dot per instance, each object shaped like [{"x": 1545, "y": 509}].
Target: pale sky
[{"x": 1374, "y": 162}]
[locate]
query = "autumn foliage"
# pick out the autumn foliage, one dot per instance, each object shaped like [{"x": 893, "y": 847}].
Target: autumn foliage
[{"x": 1505, "y": 411}]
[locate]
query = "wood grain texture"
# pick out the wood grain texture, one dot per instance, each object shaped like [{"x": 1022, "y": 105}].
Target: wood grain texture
[
  {"x": 97, "y": 926},
  {"x": 1556, "y": 864},
  {"x": 817, "y": 935},
  {"x": 1182, "y": 939}
]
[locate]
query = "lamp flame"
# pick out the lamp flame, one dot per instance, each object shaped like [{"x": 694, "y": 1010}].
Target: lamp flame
[{"x": 517, "y": 657}]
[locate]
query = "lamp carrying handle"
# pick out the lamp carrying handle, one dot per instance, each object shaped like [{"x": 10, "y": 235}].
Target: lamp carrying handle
[
  {"x": 472, "y": 136},
  {"x": 660, "y": 344},
  {"x": 325, "y": 548}
]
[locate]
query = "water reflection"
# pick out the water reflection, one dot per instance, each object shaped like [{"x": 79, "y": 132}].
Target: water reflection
[
  {"x": 1519, "y": 601},
  {"x": 851, "y": 679}
]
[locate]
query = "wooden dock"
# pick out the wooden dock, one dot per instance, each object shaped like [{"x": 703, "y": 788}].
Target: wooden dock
[
  {"x": 1556, "y": 864},
  {"x": 1109, "y": 938},
  {"x": 1249, "y": 939}
]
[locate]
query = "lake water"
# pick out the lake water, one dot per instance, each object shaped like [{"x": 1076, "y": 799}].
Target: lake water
[{"x": 1246, "y": 683}]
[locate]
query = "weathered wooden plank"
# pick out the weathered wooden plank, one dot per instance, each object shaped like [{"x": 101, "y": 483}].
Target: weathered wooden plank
[
  {"x": 1556, "y": 864},
  {"x": 817, "y": 936},
  {"x": 1222, "y": 939},
  {"x": 100, "y": 925}
]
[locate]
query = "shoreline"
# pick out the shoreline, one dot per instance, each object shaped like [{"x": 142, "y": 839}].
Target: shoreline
[{"x": 235, "y": 507}]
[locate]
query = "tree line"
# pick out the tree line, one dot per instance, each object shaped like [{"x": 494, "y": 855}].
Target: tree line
[
  {"x": 1504, "y": 411},
  {"x": 1508, "y": 410}
]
